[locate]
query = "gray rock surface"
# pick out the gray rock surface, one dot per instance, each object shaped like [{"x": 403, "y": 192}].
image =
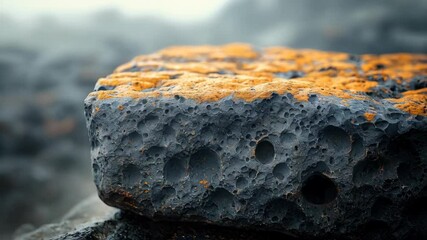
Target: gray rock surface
[
  {"x": 310, "y": 168},
  {"x": 262, "y": 169},
  {"x": 92, "y": 219}
]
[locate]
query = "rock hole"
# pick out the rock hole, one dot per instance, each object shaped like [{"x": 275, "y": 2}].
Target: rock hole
[
  {"x": 381, "y": 124},
  {"x": 204, "y": 165},
  {"x": 365, "y": 171},
  {"x": 358, "y": 150},
  {"x": 409, "y": 151},
  {"x": 264, "y": 151},
  {"x": 95, "y": 168},
  {"x": 134, "y": 137},
  {"x": 169, "y": 135},
  {"x": 288, "y": 139},
  {"x": 96, "y": 173},
  {"x": 374, "y": 170},
  {"x": 131, "y": 175},
  {"x": 252, "y": 173},
  {"x": 281, "y": 171},
  {"x": 313, "y": 99},
  {"x": 163, "y": 195},
  {"x": 94, "y": 143},
  {"x": 319, "y": 189},
  {"x": 241, "y": 183},
  {"x": 223, "y": 202},
  {"x": 175, "y": 169},
  {"x": 336, "y": 139},
  {"x": 284, "y": 212},
  {"x": 148, "y": 123}
]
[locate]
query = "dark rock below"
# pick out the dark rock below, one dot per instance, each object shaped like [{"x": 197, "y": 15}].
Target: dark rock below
[{"x": 93, "y": 220}]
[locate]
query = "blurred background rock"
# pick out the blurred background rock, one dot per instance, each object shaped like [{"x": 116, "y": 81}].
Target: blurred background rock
[{"x": 52, "y": 52}]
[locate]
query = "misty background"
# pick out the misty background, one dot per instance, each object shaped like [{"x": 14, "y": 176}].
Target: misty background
[{"x": 52, "y": 53}]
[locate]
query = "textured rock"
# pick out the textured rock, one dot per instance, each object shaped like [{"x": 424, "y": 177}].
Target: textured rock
[
  {"x": 92, "y": 219},
  {"x": 299, "y": 141}
]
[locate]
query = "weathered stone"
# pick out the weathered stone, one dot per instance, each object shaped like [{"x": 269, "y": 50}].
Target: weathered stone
[
  {"x": 298, "y": 141},
  {"x": 92, "y": 219}
]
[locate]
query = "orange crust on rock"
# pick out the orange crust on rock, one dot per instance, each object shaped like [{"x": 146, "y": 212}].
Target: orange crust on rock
[
  {"x": 369, "y": 116},
  {"x": 210, "y": 73},
  {"x": 413, "y": 102}
]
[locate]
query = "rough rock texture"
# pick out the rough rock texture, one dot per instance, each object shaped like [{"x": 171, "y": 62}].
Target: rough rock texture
[
  {"x": 297, "y": 141},
  {"x": 92, "y": 219}
]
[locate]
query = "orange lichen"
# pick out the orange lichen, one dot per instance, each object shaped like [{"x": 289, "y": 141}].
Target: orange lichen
[
  {"x": 123, "y": 193},
  {"x": 369, "y": 116},
  {"x": 127, "y": 198},
  {"x": 205, "y": 183},
  {"x": 213, "y": 87},
  {"x": 210, "y": 73},
  {"x": 413, "y": 102},
  {"x": 120, "y": 107},
  {"x": 398, "y": 66}
]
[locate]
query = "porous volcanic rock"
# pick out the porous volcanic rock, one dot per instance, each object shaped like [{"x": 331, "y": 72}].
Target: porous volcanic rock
[{"x": 298, "y": 141}]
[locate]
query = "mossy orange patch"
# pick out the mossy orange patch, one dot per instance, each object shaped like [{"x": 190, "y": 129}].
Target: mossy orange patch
[
  {"x": 413, "y": 102},
  {"x": 370, "y": 116},
  {"x": 204, "y": 183},
  {"x": 210, "y": 73}
]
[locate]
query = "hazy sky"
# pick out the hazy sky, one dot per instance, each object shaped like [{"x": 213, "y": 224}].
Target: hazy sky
[{"x": 179, "y": 10}]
